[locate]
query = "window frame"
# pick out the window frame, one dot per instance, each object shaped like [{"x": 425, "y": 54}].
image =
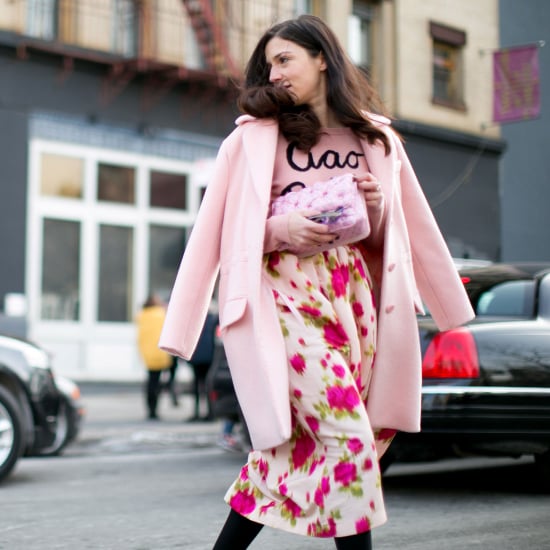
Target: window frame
[{"x": 454, "y": 40}]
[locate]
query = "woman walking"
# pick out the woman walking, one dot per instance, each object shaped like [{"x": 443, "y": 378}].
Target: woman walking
[{"x": 322, "y": 346}]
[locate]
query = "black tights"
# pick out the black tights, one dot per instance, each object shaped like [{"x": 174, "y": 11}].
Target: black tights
[
  {"x": 238, "y": 532},
  {"x": 361, "y": 541}
]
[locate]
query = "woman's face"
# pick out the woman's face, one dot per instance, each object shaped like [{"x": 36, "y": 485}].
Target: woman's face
[{"x": 292, "y": 67}]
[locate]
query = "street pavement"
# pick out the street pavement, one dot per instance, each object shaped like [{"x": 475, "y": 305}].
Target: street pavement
[{"x": 115, "y": 421}]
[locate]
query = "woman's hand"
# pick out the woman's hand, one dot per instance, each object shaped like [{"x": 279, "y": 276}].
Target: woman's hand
[
  {"x": 374, "y": 199},
  {"x": 372, "y": 190},
  {"x": 305, "y": 234}
]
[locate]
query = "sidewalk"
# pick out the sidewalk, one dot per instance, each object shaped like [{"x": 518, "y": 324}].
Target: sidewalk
[{"x": 115, "y": 420}]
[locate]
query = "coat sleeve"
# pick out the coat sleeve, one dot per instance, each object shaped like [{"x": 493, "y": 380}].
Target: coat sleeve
[
  {"x": 436, "y": 275},
  {"x": 198, "y": 270}
]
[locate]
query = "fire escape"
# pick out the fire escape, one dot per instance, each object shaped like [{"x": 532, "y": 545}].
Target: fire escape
[
  {"x": 210, "y": 38},
  {"x": 218, "y": 76}
]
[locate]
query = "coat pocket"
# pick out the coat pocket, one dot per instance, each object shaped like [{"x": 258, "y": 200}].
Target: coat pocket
[{"x": 232, "y": 311}]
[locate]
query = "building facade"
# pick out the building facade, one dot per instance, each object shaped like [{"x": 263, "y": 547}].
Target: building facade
[
  {"x": 113, "y": 110},
  {"x": 525, "y": 166}
]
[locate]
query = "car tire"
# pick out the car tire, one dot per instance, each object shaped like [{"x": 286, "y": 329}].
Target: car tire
[
  {"x": 11, "y": 433},
  {"x": 62, "y": 431},
  {"x": 542, "y": 464}
]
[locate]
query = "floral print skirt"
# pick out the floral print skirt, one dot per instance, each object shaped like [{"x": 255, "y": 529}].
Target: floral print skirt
[{"x": 325, "y": 481}]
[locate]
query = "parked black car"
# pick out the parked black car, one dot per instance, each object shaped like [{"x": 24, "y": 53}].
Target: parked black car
[
  {"x": 37, "y": 417},
  {"x": 486, "y": 386},
  {"x": 69, "y": 417}
]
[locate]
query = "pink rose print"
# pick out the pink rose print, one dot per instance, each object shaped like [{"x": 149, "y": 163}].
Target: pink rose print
[
  {"x": 301, "y": 341},
  {"x": 358, "y": 309},
  {"x": 330, "y": 530},
  {"x": 314, "y": 464},
  {"x": 355, "y": 445},
  {"x": 244, "y": 473},
  {"x": 313, "y": 423},
  {"x": 297, "y": 362},
  {"x": 340, "y": 279},
  {"x": 263, "y": 468},
  {"x": 359, "y": 268},
  {"x": 297, "y": 393},
  {"x": 316, "y": 529},
  {"x": 303, "y": 449},
  {"x": 335, "y": 335},
  {"x": 364, "y": 331},
  {"x": 293, "y": 284},
  {"x": 292, "y": 507},
  {"x": 367, "y": 465},
  {"x": 343, "y": 398},
  {"x": 266, "y": 507},
  {"x": 345, "y": 473},
  {"x": 322, "y": 491},
  {"x": 362, "y": 525},
  {"x": 243, "y": 502},
  {"x": 310, "y": 310},
  {"x": 319, "y": 498},
  {"x": 283, "y": 489},
  {"x": 339, "y": 371}
]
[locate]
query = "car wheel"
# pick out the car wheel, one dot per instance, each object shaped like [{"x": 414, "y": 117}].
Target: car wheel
[
  {"x": 62, "y": 431},
  {"x": 11, "y": 433},
  {"x": 542, "y": 463}
]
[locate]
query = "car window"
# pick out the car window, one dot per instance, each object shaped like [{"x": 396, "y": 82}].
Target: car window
[{"x": 507, "y": 299}]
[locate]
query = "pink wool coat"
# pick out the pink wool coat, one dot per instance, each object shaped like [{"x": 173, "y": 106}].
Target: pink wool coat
[{"x": 228, "y": 237}]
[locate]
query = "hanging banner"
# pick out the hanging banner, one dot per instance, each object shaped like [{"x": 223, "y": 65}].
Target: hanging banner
[{"x": 516, "y": 84}]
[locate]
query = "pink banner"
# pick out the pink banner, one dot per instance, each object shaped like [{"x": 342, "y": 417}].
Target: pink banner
[{"x": 516, "y": 86}]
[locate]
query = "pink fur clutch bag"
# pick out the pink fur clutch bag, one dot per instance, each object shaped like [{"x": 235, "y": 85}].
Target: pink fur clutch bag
[{"x": 340, "y": 205}]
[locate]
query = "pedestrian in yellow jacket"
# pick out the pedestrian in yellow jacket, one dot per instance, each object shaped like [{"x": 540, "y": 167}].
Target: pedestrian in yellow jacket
[{"x": 149, "y": 325}]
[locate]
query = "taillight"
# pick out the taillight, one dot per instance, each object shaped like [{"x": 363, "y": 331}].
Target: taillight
[{"x": 451, "y": 354}]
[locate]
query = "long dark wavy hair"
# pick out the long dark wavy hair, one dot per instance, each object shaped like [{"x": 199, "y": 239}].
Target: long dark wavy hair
[{"x": 349, "y": 92}]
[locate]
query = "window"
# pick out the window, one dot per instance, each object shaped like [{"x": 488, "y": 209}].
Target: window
[
  {"x": 447, "y": 65},
  {"x": 60, "y": 293},
  {"x": 168, "y": 190},
  {"x": 361, "y": 35},
  {"x": 41, "y": 19},
  {"x": 116, "y": 183},
  {"x": 61, "y": 176},
  {"x": 116, "y": 250},
  {"x": 508, "y": 299},
  {"x": 125, "y": 28},
  {"x": 302, "y": 6},
  {"x": 166, "y": 246}
]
